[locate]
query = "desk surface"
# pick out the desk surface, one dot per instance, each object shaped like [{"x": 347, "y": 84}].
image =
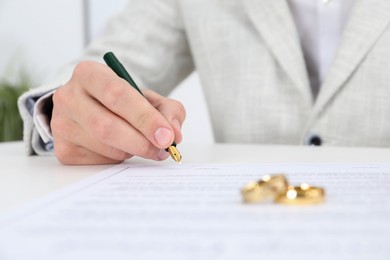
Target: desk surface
[{"x": 24, "y": 178}]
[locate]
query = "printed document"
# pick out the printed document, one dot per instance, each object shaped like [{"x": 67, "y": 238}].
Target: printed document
[{"x": 196, "y": 212}]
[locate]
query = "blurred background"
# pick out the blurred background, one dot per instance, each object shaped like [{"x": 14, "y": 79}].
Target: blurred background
[{"x": 38, "y": 37}]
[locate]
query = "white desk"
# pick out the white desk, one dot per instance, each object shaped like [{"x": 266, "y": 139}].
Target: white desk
[
  {"x": 24, "y": 178},
  {"x": 172, "y": 226}
]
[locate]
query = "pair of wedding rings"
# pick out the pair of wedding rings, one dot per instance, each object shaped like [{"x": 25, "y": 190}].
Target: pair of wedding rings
[{"x": 277, "y": 188}]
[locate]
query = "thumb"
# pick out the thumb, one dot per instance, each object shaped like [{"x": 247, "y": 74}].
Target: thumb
[{"x": 172, "y": 110}]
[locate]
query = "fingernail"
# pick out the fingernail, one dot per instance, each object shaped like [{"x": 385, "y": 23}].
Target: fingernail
[
  {"x": 163, "y": 136},
  {"x": 162, "y": 155}
]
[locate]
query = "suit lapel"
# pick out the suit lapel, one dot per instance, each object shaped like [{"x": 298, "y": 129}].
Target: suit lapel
[
  {"x": 368, "y": 19},
  {"x": 274, "y": 22}
]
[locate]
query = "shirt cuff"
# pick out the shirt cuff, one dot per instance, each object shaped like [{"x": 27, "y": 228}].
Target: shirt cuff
[{"x": 41, "y": 118}]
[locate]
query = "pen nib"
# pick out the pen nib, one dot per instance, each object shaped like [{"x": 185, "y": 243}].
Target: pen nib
[{"x": 174, "y": 153}]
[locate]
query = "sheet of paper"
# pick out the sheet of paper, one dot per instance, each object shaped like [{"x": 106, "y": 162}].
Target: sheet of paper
[{"x": 196, "y": 212}]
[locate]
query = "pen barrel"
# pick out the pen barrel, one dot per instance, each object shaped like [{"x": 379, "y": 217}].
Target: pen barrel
[{"x": 118, "y": 68}]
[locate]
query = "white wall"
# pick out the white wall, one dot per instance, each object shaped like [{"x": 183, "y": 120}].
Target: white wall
[
  {"x": 40, "y": 36},
  {"x": 100, "y": 12}
]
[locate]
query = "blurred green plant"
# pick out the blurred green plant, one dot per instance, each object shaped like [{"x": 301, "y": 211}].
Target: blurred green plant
[{"x": 11, "y": 125}]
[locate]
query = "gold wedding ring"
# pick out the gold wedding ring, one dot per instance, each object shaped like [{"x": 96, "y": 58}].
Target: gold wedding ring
[
  {"x": 301, "y": 195},
  {"x": 276, "y": 187},
  {"x": 268, "y": 187}
]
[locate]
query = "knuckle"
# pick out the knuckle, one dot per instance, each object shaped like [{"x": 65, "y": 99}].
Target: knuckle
[
  {"x": 114, "y": 93},
  {"x": 180, "y": 108},
  {"x": 101, "y": 127},
  {"x": 82, "y": 68},
  {"x": 84, "y": 73},
  {"x": 144, "y": 118}
]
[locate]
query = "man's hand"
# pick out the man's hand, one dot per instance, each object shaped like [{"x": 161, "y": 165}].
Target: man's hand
[{"x": 98, "y": 118}]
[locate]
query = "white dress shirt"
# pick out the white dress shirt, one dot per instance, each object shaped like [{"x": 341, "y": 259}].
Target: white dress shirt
[{"x": 320, "y": 24}]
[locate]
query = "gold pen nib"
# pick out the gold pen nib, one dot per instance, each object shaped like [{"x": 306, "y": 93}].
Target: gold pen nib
[{"x": 174, "y": 153}]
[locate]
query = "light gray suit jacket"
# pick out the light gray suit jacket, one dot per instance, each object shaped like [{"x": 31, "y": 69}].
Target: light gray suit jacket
[{"x": 249, "y": 59}]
